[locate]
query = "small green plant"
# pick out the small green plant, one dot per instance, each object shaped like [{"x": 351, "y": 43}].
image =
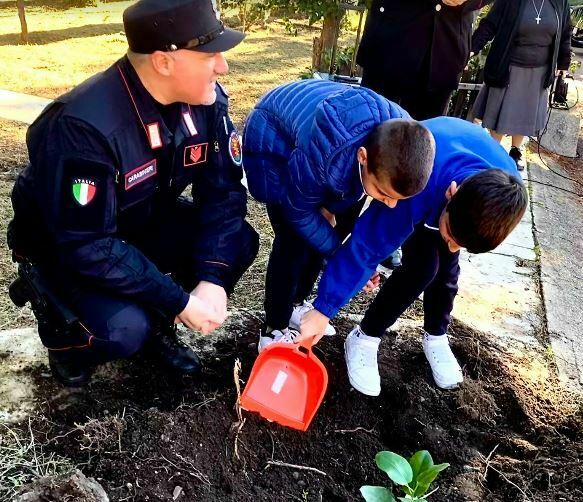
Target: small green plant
[{"x": 414, "y": 476}]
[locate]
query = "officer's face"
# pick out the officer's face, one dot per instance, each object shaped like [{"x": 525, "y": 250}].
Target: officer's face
[{"x": 195, "y": 75}]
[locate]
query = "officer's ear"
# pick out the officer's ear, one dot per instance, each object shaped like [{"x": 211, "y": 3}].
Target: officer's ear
[{"x": 162, "y": 62}]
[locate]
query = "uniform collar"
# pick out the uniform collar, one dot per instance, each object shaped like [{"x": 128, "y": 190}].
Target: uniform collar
[{"x": 155, "y": 130}]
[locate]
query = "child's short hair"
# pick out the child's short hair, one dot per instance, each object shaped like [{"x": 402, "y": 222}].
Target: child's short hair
[
  {"x": 485, "y": 209},
  {"x": 401, "y": 152}
]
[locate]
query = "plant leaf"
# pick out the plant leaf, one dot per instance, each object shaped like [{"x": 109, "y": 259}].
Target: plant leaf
[
  {"x": 427, "y": 477},
  {"x": 397, "y": 468},
  {"x": 420, "y": 462},
  {"x": 376, "y": 494}
]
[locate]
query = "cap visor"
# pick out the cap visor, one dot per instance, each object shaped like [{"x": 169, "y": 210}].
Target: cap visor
[{"x": 224, "y": 42}]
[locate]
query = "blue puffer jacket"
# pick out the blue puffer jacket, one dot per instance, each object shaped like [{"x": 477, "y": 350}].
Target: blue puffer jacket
[
  {"x": 462, "y": 149},
  {"x": 300, "y": 143}
]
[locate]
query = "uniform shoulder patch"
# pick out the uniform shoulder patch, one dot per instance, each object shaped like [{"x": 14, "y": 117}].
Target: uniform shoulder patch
[
  {"x": 84, "y": 190},
  {"x": 235, "y": 149}
]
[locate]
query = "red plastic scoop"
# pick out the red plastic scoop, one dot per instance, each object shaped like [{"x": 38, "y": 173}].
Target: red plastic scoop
[{"x": 286, "y": 385}]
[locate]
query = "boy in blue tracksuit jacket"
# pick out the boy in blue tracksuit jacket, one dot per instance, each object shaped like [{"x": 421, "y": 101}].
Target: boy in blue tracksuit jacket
[
  {"x": 313, "y": 149},
  {"x": 474, "y": 198}
]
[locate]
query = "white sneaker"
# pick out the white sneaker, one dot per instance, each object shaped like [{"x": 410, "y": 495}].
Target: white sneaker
[
  {"x": 447, "y": 372},
  {"x": 360, "y": 352},
  {"x": 276, "y": 336},
  {"x": 299, "y": 312}
]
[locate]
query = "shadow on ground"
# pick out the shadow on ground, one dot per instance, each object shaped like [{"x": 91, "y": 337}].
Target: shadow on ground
[{"x": 52, "y": 36}]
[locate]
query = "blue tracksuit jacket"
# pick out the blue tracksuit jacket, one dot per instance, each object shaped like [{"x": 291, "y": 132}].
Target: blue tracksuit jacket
[{"x": 462, "y": 149}]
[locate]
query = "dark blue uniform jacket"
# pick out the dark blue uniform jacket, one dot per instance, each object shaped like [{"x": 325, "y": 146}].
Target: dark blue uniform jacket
[{"x": 106, "y": 163}]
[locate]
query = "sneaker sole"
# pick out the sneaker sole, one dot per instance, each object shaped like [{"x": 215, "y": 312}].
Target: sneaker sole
[
  {"x": 355, "y": 385},
  {"x": 445, "y": 386}
]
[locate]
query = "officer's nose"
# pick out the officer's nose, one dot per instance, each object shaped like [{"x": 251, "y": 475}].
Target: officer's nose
[{"x": 221, "y": 65}]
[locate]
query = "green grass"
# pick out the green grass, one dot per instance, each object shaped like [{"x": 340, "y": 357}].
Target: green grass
[{"x": 67, "y": 47}]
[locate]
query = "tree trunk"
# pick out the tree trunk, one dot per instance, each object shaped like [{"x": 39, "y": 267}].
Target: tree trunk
[
  {"x": 23, "y": 25},
  {"x": 328, "y": 41},
  {"x": 243, "y": 16}
]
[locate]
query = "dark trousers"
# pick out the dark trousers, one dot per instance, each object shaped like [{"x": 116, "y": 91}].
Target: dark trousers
[
  {"x": 115, "y": 327},
  {"x": 415, "y": 98},
  {"x": 294, "y": 265},
  {"x": 428, "y": 267}
]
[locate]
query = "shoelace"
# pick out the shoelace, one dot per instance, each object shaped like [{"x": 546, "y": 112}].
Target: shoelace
[
  {"x": 175, "y": 342},
  {"x": 305, "y": 308},
  {"x": 287, "y": 336}
]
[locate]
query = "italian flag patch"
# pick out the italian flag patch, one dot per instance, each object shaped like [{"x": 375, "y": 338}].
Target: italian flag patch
[{"x": 84, "y": 191}]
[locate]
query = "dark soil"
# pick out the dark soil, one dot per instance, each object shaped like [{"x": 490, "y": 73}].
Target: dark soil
[{"x": 510, "y": 433}]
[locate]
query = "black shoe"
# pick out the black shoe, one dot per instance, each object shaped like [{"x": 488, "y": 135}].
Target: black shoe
[
  {"x": 516, "y": 155},
  {"x": 174, "y": 354},
  {"x": 68, "y": 369}
]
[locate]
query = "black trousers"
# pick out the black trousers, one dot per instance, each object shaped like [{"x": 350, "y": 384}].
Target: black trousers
[
  {"x": 294, "y": 265},
  {"x": 428, "y": 267},
  {"x": 415, "y": 98},
  {"x": 114, "y": 327}
]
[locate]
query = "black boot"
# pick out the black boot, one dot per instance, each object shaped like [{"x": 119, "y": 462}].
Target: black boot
[
  {"x": 173, "y": 353},
  {"x": 69, "y": 368},
  {"x": 517, "y": 156}
]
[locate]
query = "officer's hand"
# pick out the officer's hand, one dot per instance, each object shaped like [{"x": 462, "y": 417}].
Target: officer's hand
[
  {"x": 214, "y": 296},
  {"x": 372, "y": 283},
  {"x": 453, "y": 3},
  {"x": 313, "y": 326},
  {"x": 199, "y": 316}
]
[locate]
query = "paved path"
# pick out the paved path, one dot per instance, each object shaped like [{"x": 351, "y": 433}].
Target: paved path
[
  {"x": 559, "y": 217},
  {"x": 20, "y": 107}
]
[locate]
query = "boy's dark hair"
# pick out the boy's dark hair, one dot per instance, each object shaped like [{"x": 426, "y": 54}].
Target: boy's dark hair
[
  {"x": 485, "y": 209},
  {"x": 401, "y": 152}
]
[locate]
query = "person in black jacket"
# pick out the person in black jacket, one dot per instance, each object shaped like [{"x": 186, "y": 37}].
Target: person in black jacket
[
  {"x": 99, "y": 212},
  {"x": 531, "y": 45},
  {"x": 414, "y": 51}
]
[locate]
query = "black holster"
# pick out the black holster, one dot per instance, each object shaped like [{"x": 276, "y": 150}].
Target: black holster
[{"x": 58, "y": 325}]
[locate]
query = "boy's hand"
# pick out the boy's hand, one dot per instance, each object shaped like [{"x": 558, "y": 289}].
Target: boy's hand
[
  {"x": 329, "y": 216},
  {"x": 313, "y": 325},
  {"x": 372, "y": 283}
]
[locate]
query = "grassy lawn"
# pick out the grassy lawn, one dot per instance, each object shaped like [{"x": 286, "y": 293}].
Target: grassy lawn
[{"x": 68, "y": 46}]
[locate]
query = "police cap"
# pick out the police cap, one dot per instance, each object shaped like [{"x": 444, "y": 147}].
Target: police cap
[{"x": 169, "y": 25}]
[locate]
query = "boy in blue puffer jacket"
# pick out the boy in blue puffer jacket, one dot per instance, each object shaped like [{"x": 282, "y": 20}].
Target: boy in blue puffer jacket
[
  {"x": 313, "y": 150},
  {"x": 473, "y": 200}
]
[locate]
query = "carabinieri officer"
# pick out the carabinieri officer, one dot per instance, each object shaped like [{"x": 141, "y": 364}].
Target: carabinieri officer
[{"x": 99, "y": 210}]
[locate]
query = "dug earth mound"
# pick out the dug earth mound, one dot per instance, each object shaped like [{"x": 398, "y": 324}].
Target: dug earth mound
[{"x": 511, "y": 433}]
